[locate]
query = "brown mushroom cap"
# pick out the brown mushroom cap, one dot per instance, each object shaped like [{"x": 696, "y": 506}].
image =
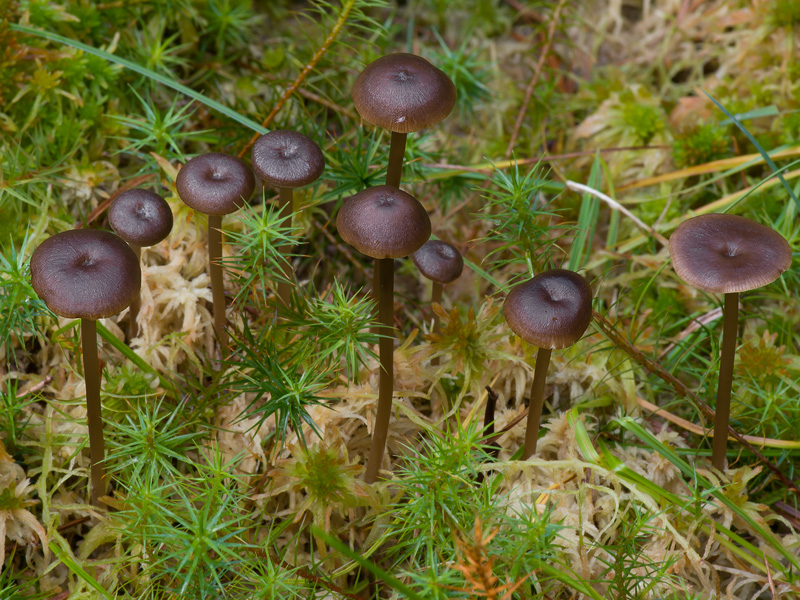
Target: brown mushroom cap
[
  {"x": 403, "y": 93},
  {"x": 439, "y": 261},
  {"x": 723, "y": 254},
  {"x": 287, "y": 159},
  {"x": 85, "y": 274},
  {"x": 215, "y": 183},
  {"x": 140, "y": 217},
  {"x": 552, "y": 310},
  {"x": 384, "y": 222}
]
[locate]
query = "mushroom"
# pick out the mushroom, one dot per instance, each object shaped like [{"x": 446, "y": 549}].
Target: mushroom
[
  {"x": 216, "y": 184},
  {"x": 441, "y": 263},
  {"x": 87, "y": 275},
  {"x": 287, "y": 160},
  {"x": 141, "y": 218},
  {"x": 551, "y": 311},
  {"x": 402, "y": 93},
  {"x": 385, "y": 223},
  {"x": 727, "y": 254}
]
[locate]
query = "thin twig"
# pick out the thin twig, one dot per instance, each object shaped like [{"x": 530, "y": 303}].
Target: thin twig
[
  {"x": 680, "y": 388},
  {"x": 535, "y": 79},
  {"x": 346, "y": 9},
  {"x": 585, "y": 189},
  {"x": 35, "y": 388}
]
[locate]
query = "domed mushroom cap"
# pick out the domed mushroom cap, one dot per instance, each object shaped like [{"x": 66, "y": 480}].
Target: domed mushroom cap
[
  {"x": 439, "y": 261},
  {"x": 384, "y": 222},
  {"x": 215, "y": 183},
  {"x": 287, "y": 159},
  {"x": 724, "y": 254},
  {"x": 403, "y": 93},
  {"x": 85, "y": 274},
  {"x": 552, "y": 310},
  {"x": 140, "y": 217}
]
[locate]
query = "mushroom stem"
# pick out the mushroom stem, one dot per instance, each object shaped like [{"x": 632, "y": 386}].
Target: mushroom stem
[
  {"x": 723, "y": 407},
  {"x": 91, "y": 375},
  {"x": 537, "y": 401},
  {"x": 133, "y": 310},
  {"x": 436, "y": 298},
  {"x": 385, "y": 387},
  {"x": 284, "y": 287},
  {"x": 397, "y": 150},
  {"x": 217, "y": 285}
]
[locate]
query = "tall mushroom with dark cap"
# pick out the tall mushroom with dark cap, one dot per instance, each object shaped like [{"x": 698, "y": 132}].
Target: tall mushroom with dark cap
[
  {"x": 727, "y": 254},
  {"x": 551, "y": 311},
  {"x": 216, "y": 184},
  {"x": 87, "y": 275},
  {"x": 402, "y": 93},
  {"x": 287, "y": 160},
  {"x": 441, "y": 263},
  {"x": 142, "y": 218},
  {"x": 385, "y": 223}
]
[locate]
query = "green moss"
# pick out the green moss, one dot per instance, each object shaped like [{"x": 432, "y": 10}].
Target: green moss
[{"x": 701, "y": 144}]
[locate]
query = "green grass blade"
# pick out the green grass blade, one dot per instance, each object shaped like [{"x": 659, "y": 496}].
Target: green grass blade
[
  {"x": 587, "y": 220},
  {"x": 685, "y": 468},
  {"x": 384, "y": 576},
  {"x": 576, "y": 584},
  {"x": 758, "y": 147},
  {"x": 170, "y": 83},
  {"x": 78, "y": 570},
  {"x": 133, "y": 357}
]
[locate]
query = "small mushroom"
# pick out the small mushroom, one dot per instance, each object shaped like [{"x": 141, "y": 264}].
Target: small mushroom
[
  {"x": 727, "y": 254},
  {"x": 402, "y": 93},
  {"x": 551, "y": 311},
  {"x": 441, "y": 263},
  {"x": 87, "y": 275},
  {"x": 142, "y": 218},
  {"x": 287, "y": 160},
  {"x": 216, "y": 184},
  {"x": 385, "y": 223}
]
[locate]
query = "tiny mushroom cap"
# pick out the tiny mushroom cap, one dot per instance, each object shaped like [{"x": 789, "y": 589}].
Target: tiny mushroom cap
[
  {"x": 85, "y": 274},
  {"x": 384, "y": 222},
  {"x": 439, "y": 261},
  {"x": 215, "y": 183},
  {"x": 140, "y": 217},
  {"x": 552, "y": 310},
  {"x": 403, "y": 93},
  {"x": 287, "y": 159},
  {"x": 725, "y": 254}
]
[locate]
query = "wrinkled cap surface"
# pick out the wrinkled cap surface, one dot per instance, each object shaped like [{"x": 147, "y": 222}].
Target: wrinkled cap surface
[
  {"x": 287, "y": 159},
  {"x": 384, "y": 222},
  {"x": 439, "y": 261},
  {"x": 403, "y": 93},
  {"x": 215, "y": 183},
  {"x": 140, "y": 217},
  {"x": 724, "y": 254},
  {"x": 552, "y": 310},
  {"x": 85, "y": 274}
]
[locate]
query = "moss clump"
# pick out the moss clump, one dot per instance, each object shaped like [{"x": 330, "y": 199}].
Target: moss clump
[{"x": 700, "y": 145}]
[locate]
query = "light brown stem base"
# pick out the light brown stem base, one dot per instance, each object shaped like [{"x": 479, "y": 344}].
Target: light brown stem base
[
  {"x": 722, "y": 410},
  {"x": 285, "y": 287},
  {"x": 217, "y": 284},
  {"x": 537, "y": 402},
  {"x": 397, "y": 150},
  {"x": 133, "y": 310},
  {"x": 386, "y": 382},
  {"x": 91, "y": 374}
]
